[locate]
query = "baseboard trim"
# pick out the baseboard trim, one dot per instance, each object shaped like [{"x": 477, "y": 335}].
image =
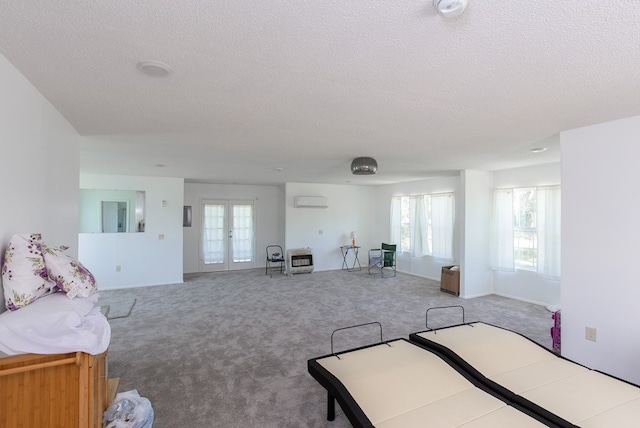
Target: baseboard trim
[
  {"x": 533, "y": 302},
  {"x": 418, "y": 275}
]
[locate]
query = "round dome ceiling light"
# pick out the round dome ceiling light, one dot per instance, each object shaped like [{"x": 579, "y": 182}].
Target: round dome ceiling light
[
  {"x": 154, "y": 68},
  {"x": 364, "y": 166},
  {"x": 450, "y": 8}
]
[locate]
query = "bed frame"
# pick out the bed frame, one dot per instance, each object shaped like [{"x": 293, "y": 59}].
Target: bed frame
[
  {"x": 398, "y": 383},
  {"x": 524, "y": 372},
  {"x": 58, "y": 390},
  {"x": 402, "y": 383}
]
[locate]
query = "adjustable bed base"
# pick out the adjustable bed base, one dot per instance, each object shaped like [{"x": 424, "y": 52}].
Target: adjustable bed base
[
  {"x": 471, "y": 375},
  {"x": 401, "y": 384},
  {"x": 524, "y": 372}
]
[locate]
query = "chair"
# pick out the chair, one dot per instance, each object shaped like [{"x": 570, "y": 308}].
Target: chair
[
  {"x": 383, "y": 258},
  {"x": 275, "y": 259}
]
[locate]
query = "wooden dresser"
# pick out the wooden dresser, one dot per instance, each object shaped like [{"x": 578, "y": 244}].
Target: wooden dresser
[{"x": 53, "y": 391}]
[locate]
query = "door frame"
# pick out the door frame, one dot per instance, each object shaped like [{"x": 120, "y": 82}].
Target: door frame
[{"x": 228, "y": 264}]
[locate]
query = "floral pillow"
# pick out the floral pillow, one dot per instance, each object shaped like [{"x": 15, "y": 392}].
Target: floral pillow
[
  {"x": 68, "y": 274},
  {"x": 24, "y": 275}
]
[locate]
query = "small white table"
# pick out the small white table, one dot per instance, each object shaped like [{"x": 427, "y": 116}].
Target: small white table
[{"x": 345, "y": 252}]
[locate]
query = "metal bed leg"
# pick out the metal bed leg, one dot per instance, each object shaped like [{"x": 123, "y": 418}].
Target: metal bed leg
[{"x": 331, "y": 407}]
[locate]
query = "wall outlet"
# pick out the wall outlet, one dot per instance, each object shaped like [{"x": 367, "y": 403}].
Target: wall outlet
[
  {"x": 118, "y": 268},
  {"x": 160, "y": 236},
  {"x": 590, "y": 333}
]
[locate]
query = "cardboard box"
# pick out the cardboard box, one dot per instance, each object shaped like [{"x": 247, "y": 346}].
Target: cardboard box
[{"x": 450, "y": 280}]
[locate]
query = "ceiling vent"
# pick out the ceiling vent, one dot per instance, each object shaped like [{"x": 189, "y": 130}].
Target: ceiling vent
[{"x": 364, "y": 166}]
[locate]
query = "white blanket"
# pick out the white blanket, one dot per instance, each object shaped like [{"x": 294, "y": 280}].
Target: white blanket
[{"x": 55, "y": 324}]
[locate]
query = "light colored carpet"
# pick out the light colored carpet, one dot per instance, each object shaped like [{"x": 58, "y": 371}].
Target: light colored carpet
[
  {"x": 118, "y": 308},
  {"x": 230, "y": 349}
]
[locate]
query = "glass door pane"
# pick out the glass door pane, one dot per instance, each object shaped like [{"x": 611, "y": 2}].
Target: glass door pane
[
  {"x": 214, "y": 238},
  {"x": 242, "y": 233},
  {"x": 227, "y": 240}
]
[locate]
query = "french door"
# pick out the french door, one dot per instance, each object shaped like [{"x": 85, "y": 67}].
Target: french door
[{"x": 227, "y": 238}]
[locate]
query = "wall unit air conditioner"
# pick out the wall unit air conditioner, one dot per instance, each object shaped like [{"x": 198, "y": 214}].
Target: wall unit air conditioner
[{"x": 310, "y": 202}]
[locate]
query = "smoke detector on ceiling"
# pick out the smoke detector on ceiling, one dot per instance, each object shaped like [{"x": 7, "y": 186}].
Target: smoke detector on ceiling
[
  {"x": 450, "y": 8},
  {"x": 154, "y": 68}
]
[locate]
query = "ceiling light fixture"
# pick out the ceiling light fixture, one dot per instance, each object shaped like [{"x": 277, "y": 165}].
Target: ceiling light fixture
[
  {"x": 154, "y": 68},
  {"x": 450, "y": 8},
  {"x": 364, "y": 166},
  {"x": 538, "y": 150}
]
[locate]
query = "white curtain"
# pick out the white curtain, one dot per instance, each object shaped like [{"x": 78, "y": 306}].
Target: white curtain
[
  {"x": 395, "y": 222},
  {"x": 214, "y": 235},
  {"x": 549, "y": 232},
  {"x": 242, "y": 240},
  {"x": 428, "y": 225},
  {"x": 502, "y": 231},
  {"x": 419, "y": 229},
  {"x": 442, "y": 218}
]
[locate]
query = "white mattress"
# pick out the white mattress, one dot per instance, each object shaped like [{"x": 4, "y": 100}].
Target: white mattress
[
  {"x": 403, "y": 385},
  {"x": 575, "y": 393}
]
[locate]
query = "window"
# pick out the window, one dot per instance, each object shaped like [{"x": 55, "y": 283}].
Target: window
[
  {"x": 423, "y": 224},
  {"x": 525, "y": 234},
  {"x": 526, "y": 230}
]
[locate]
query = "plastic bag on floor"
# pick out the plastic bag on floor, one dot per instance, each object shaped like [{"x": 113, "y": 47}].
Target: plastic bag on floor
[{"x": 128, "y": 410}]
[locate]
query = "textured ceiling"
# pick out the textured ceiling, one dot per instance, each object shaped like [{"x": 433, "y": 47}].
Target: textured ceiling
[{"x": 308, "y": 86}]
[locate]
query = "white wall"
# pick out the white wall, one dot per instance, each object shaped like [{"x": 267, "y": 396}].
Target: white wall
[
  {"x": 530, "y": 176},
  {"x": 527, "y": 286},
  {"x": 324, "y": 230},
  {"x": 269, "y": 216},
  {"x": 475, "y": 267},
  {"x": 426, "y": 266},
  {"x": 521, "y": 284},
  {"x": 600, "y": 252},
  {"x": 144, "y": 258},
  {"x": 38, "y": 166}
]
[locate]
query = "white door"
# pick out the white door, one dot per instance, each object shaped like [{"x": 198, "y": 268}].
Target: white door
[
  {"x": 227, "y": 237},
  {"x": 114, "y": 216}
]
